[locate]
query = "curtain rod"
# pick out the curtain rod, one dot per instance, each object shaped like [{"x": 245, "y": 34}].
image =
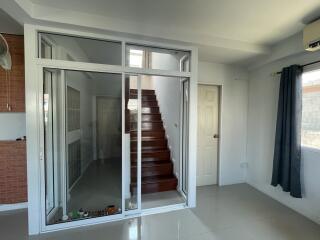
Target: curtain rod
[{"x": 307, "y": 64}]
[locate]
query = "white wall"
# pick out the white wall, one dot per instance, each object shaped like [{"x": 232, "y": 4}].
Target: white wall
[
  {"x": 66, "y": 48},
  {"x": 168, "y": 95},
  {"x": 146, "y": 83},
  {"x": 262, "y": 114},
  {"x": 80, "y": 82},
  {"x": 12, "y": 126},
  {"x": 233, "y": 117}
]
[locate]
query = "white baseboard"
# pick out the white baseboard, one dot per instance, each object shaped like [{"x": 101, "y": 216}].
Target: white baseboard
[
  {"x": 305, "y": 213},
  {"x": 164, "y": 209},
  {"x": 14, "y": 206}
]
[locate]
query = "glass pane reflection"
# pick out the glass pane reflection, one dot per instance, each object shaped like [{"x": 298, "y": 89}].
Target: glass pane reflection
[
  {"x": 131, "y": 136},
  {"x": 83, "y": 144}
]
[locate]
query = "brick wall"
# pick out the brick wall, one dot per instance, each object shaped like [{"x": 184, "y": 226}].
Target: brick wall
[
  {"x": 13, "y": 173},
  {"x": 13, "y": 169},
  {"x": 17, "y": 94}
]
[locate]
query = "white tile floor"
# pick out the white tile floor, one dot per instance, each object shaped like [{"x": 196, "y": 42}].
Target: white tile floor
[
  {"x": 232, "y": 212},
  {"x": 160, "y": 199},
  {"x": 98, "y": 187}
]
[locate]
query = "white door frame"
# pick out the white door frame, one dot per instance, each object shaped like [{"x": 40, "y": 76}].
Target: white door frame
[
  {"x": 48, "y": 228},
  {"x": 220, "y": 88},
  {"x": 138, "y": 210},
  {"x": 181, "y": 175},
  {"x": 50, "y": 134},
  {"x": 34, "y": 124}
]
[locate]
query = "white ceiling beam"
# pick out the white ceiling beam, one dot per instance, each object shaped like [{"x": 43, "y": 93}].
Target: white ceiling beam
[{"x": 81, "y": 19}]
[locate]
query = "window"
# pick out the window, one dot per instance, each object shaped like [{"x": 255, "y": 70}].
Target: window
[
  {"x": 136, "y": 58},
  {"x": 310, "y": 125},
  {"x": 46, "y": 49},
  {"x": 157, "y": 58},
  {"x": 79, "y": 49}
]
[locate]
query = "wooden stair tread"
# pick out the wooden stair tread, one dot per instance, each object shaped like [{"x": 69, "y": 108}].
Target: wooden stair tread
[
  {"x": 150, "y": 131},
  {"x": 151, "y": 148},
  {"x": 149, "y": 139},
  {"x": 144, "y": 97},
  {"x": 152, "y": 164},
  {"x": 150, "y": 109},
  {"x": 151, "y": 152},
  {"x": 152, "y": 156},
  {"x": 143, "y": 91},
  {"x": 157, "y": 179},
  {"x": 156, "y": 165},
  {"x": 151, "y": 113},
  {"x": 149, "y": 101},
  {"x": 155, "y": 184},
  {"x": 148, "y": 121},
  {"x": 134, "y": 139}
]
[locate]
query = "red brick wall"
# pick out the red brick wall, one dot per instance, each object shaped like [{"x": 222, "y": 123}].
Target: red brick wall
[
  {"x": 13, "y": 173},
  {"x": 13, "y": 169},
  {"x": 17, "y": 94}
]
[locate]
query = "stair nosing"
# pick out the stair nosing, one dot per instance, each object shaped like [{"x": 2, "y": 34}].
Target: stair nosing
[
  {"x": 148, "y": 140},
  {"x": 167, "y": 150},
  {"x": 149, "y": 180},
  {"x": 155, "y": 164}
]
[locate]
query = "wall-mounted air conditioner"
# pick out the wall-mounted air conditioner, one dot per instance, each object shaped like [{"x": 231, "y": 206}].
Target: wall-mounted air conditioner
[{"x": 311, "y": 36}]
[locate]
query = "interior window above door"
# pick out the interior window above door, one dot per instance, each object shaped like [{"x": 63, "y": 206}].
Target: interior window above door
[
  {"x": 157, "y": 58},
  {"x": 79, "y": 49}
]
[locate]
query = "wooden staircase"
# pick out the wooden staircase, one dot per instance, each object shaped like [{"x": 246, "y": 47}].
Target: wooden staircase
[{"x": 156, "y": 165}]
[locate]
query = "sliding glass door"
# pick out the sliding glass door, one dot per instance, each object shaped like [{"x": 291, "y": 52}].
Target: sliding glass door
[
  {"x": 115, "y": 144},
  {"x": 82, "y": 119},
  {"x": 114, "y": 124},
  {"x": 184, "y": 135},
  {"x": 132, "y": 136},
  {"x": 50, "y": 144}
]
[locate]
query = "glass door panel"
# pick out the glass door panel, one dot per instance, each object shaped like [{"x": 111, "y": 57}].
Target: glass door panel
[
  {"x": 160, "y": 141},
  {"x": 79, "y": 49},
  {"x": 132, "y": 138},
  {"x": 157, "y": 58},
  {"x": 83, "y": 144},
  {"x": 49, "y": 143},
  {"x": 185, "y": 136}
]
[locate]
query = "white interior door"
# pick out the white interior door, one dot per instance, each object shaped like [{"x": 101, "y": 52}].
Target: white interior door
[
  {"x": 208, "y": 138},
  {"x": 108, "y": 127}
]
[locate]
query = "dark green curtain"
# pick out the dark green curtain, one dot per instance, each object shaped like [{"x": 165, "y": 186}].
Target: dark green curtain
[{"x": 287, "y": 150}]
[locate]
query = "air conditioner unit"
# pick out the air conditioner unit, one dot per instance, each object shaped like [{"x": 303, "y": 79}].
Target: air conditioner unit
[{"x": 311, "y": 36}]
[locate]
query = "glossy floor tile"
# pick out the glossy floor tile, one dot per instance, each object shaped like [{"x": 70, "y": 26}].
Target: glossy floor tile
[
  {"x": 160, "y": 199},
  {"x": 228, "y": 213},
  {"x": 98, "y": 187}
]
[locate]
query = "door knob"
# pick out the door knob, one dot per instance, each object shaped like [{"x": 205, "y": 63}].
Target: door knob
[{"x": 216, "y": 136}]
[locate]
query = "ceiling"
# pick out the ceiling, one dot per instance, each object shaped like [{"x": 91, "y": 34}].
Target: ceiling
[
  {"x": 259, "y": 22},
  {"x": 9, "y": 25},
  {"x": 226, "y": 31}
]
